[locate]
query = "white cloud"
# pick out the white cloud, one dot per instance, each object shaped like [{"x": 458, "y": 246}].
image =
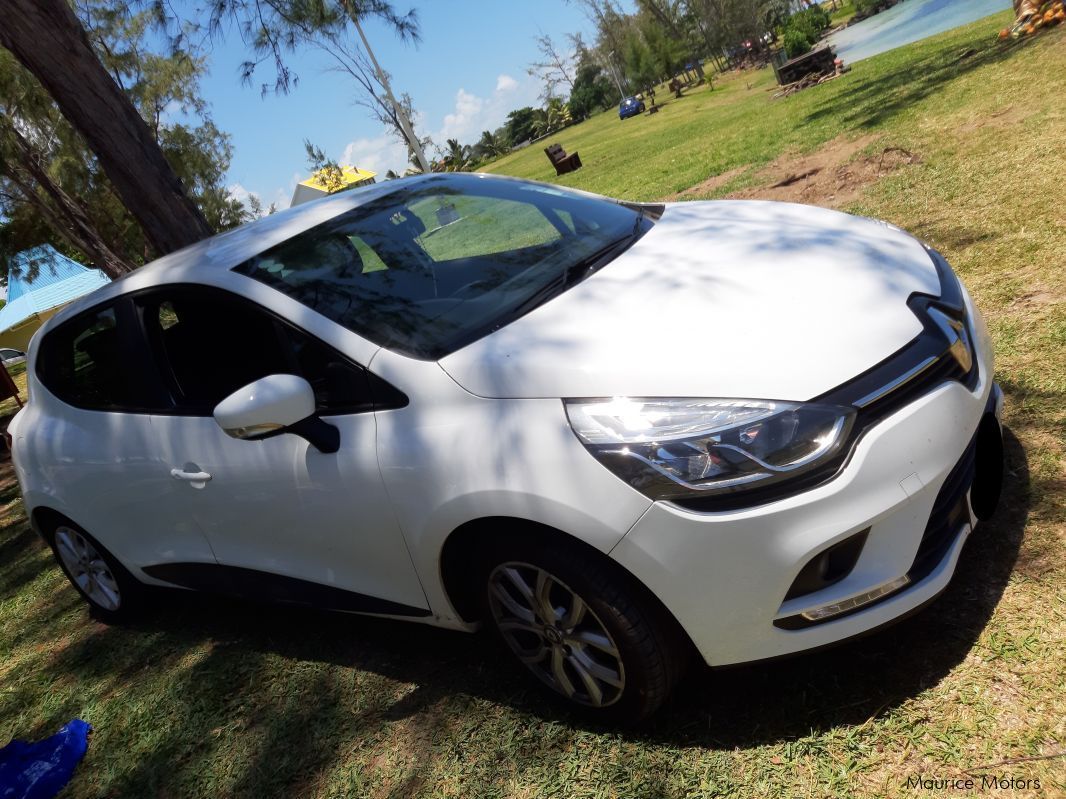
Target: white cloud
[
  {"x": 474, "y": 114},
  {"x": 462, "y": 122},
  {"x": 237, "y": 192},
  {"x": 379, "y": 154},
  {"x": 470, "y": 115},
  {"x": 282, "y": 198},
  {"x": 279, "y": 197}
]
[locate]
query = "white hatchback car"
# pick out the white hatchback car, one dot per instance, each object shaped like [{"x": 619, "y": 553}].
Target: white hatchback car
[{"x": 618, "y": 433}]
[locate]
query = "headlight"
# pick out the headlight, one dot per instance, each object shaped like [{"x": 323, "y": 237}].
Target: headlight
[{"x": 675, "y": 447}]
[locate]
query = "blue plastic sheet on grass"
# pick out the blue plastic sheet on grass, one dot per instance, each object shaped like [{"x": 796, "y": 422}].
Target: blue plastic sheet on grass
[{"x": 40, "y": 770}]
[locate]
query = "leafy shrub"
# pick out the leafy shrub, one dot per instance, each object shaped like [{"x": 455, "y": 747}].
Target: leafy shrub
[
  {"x": 795, "y": 43},
  {"x": 819, "y": 17},
  {"x": 816, "y": 18},
  {"x": 800, "y": 23},
  {"x": 865, "y": 6},
  {"x": 803, "y": 29}
]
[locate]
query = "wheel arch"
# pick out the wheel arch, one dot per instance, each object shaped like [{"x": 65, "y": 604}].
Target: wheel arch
[
  {"x": 462, "y": 561},
  {"x": 43, "y": 518}
]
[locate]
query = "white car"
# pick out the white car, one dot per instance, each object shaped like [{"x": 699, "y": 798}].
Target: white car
[
  {"x": 620, "y": 434},
  {"x": 11, "y": 357}
]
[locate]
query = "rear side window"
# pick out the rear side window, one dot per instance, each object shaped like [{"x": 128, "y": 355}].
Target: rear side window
[{"x": 81, "y": 363}]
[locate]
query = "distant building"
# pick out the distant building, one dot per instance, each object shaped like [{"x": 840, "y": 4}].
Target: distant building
[
  {"x": 58, "y": 281},
  {"x": 315, "y": 186}
]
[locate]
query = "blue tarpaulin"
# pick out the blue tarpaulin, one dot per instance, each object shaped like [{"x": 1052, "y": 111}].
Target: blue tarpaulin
[
  {"x": 40, "y": 770},
  {"x": 57, "y": 280}
]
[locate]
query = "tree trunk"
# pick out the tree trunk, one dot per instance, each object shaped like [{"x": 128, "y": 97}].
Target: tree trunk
[
  {"x": 63, "y": 228},
  {"x": 71, "y": 220},
  {"x": 46, "y": 37}
]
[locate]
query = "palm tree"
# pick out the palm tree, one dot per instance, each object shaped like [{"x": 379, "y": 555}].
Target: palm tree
[
  {"x": 540, "y": 123},
  {"x": 491, "y": 145},
  {"x": 558, "y": 114},
  {"x": 456, "y": 156},
  {"x": 554, "y": 116}
]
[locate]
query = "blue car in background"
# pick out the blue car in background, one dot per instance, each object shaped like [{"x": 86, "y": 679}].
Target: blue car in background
[{"x": 630, "y": 107}]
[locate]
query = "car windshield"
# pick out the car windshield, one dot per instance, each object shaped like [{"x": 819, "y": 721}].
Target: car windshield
[{"x": 443, "y": 261}]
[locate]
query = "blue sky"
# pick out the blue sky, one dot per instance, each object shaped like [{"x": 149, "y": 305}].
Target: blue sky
[{"x": 467, "y": 73}]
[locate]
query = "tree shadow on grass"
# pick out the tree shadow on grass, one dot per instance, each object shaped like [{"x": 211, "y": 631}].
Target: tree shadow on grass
[
  {"x": 271, "y": 697},
  {"x": 871, "y": 98}
]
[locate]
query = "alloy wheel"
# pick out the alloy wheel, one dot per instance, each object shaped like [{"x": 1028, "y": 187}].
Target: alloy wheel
[
  {"x": 556, "y": 634},
  {"x": 87, "y": 568}
]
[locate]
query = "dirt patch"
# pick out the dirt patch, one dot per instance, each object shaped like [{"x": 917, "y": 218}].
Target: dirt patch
[
  {"x": 708, "y": 186},
  {"x": 1004, "y": 118},
  {"x": 831, "y": 177},
  {"x": 1034, "y": 299}
]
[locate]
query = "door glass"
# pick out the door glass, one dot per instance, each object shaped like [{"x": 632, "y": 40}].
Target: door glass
[{"x": 212, "y": 343}]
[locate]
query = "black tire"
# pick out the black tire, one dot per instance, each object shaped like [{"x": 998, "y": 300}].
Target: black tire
[
  {"x": 132, "y": 594},
  {"x": 653, "y": 650}
]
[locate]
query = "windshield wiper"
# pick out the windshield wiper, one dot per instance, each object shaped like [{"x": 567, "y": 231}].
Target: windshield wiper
[
  {"x": 637, "y": 224},
  {"x": 572, "y": 274}
]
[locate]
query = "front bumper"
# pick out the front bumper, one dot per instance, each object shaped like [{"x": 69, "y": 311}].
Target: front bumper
[{"x": 724, "y": 575}]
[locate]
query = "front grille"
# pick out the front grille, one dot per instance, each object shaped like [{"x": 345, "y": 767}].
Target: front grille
[
  {"x": 921, "y": 366},
  {"x": 950, "y": 512},
  {"x": 943, "y": 370}
]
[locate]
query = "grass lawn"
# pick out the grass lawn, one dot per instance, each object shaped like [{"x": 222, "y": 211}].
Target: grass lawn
[
  {"x": 219, "y": 698},
  {"x": 845, "y": 10},
  {"x": 18, "y": 373}
]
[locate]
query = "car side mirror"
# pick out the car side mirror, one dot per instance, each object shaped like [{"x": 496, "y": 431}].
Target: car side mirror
[{"x": 274, "y": 405}]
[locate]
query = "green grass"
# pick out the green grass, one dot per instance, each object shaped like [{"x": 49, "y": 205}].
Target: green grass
[
  {"x": 845, "y": 12},
  {"x": 18, "y": 374},
  {"x": 217, "y": 698}
]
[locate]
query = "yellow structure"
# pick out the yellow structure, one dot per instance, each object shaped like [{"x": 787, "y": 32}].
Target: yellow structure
[
  {"x": 323, "y": 182},
  {"x": 18, "y": 337}
]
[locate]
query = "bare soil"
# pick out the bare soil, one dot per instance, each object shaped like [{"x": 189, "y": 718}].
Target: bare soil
[
  {"x": 1004, "y": 118},
  {"x": 708, "y": 186},
  {"x": 832, "y": 176}
]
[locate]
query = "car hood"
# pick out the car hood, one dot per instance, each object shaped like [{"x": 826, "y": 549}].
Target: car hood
[{"x": 719, "y": 299}]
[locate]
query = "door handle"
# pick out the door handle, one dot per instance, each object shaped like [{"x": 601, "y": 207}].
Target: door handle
[{"x": 195, "y": 479}]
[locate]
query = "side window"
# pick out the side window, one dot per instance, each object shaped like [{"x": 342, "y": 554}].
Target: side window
[
  {"x": 209, "y": 344},
  {"x": 81, "y": 363}
]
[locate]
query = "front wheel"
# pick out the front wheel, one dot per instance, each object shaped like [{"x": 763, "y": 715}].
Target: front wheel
[
  {"x": 585, "y": 628},
  {"x": 113, "y": 594}
]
